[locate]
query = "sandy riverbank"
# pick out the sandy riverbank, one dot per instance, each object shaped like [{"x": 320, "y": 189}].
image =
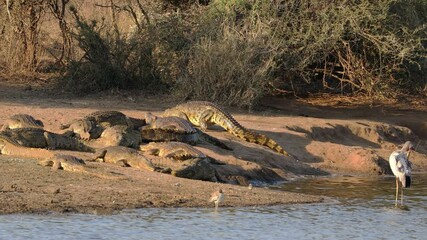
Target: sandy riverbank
[{"x": 324, "y": 140}]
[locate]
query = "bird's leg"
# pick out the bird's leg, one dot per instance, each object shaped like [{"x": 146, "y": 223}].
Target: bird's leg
[
  {"x": 401, "y": 198},
  {"x": 216, "y": 205},
  {"x": 397, "y": 191}
]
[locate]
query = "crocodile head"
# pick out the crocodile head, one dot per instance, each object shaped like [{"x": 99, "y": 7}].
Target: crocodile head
[
  {"x": 4, "y": 142},
  {"x": 150, "y": 118},
  {"x": 196, "y": 168},
  {"x": 83, "y": 128}
]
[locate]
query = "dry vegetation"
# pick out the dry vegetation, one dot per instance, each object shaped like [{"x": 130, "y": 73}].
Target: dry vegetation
[{"x": 228, "y": 51}]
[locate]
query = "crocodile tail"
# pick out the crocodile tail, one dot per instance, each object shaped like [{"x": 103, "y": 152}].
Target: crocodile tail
[
  {"x": 64, "y": 126},
  {"x": 212, "y": 140},
  {"x": 226, "y": 121},
  {"x": 84, "y": 148},
  {"x": 259, "y": 139}
]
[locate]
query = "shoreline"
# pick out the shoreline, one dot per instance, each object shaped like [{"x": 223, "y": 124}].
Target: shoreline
[
  {"x": 324, "y": 141},
  {"x": 41, "y": 190}
]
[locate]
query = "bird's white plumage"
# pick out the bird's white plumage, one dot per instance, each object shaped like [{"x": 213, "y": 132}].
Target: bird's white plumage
[{"x": 401, "y": 167}]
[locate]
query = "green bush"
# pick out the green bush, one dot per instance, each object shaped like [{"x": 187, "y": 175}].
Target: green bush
[
  {"x": 245, "y": 49},
  {"x": 236, "y": 51}
]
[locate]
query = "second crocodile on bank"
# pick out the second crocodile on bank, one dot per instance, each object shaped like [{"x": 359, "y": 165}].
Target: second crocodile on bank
[
  {"x": 92, "y": 125},
  {"x": 203, "y": 114},
  {"x": 21, "y": 121},
  {"x": 73, "y": 164},
  {"x": 184, "y": 160},
  {"x": 161, "y": 129},
  {"x": 40, "y": 138},
  {"x": 125, "y": 157}
]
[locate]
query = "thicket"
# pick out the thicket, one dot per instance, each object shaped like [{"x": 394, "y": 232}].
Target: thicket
[{"x": 228, "y": 51}]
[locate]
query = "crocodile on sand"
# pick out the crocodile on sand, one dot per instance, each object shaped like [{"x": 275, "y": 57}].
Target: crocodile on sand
[
  {"x": 175, "y": 150},
  {"x": 175, "y": 129},
  {"x": 118, "y": 135},
  {"x": 73, "y": 164},
  {"x": 21, "y": 121},
  {"x": 40, "y": 138},
  {"x": 125, "y": 157},
  {"x": 203, "y": 114},
  {"x": 9, "y": 146},
  {"x": 184, "y": 160},
  {"x": 196, "y": 168},
  {"x": 92, "y": 125}
]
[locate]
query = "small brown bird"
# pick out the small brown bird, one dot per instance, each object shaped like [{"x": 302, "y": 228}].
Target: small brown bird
[{"x": 217, "y": 197}]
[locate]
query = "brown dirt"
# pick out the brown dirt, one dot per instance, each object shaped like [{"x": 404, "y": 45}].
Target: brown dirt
[{"x": 324, "y": 139}]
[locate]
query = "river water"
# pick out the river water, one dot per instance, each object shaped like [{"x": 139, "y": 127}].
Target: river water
[{"x": 358, "y": 208}]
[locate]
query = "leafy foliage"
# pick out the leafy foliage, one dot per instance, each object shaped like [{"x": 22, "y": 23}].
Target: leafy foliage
[
  {"x": 236, "y": 51},
  {"x": 347, "y": 47}
]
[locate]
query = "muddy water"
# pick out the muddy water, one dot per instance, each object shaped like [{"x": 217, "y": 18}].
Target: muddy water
[{"x": 360, "y": 208}]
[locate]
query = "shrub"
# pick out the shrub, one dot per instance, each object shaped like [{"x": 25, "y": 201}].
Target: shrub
[
  {"x": 232, "y": 51},
  {"x": 110, "y": 59},
  {"x": 229, "y": 62},
  {"x": 242, "y": 48}
]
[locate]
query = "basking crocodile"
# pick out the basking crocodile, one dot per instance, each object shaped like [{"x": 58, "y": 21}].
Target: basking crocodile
[
  {"x": 204, "y": 114},
  {"x": 175, "y": 129},
  {"x": 184, "y": 160},
  {"x": 21, "y": 121},
  {"x": 196, "y": 168},
  {"x": 118, "y": 135},
  {"x": 40, "y": 138},
  {"x": 92, "y": 125},
  {"x": 9, "y": 146},
  {"x": 125, "y": 157},
  {"x": 174, "y": 150},
  {"x": 73, "y": 164}
]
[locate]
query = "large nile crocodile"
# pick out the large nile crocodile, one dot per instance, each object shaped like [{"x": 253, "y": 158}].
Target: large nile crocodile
[
  {"x": 92, "y": 125},
  {"x": 40, "y": 138},
  {"x": 73, "y": 164},
  {"x": 175, "y": 129},
  {"x": 196, "y": 168},
  {"x": 9, "y": 146},
  {"x": 118, "y": 135},
  {"x": 204, "y": 114},
  {"x": 174, "y": 150},
  {"x": 125, "y": 157},
  {"x": 21, "y": 121},
  {"x": 184, "y": 160}
]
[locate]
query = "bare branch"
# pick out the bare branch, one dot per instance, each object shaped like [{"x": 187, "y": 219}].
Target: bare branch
[
  {"x": 141, "y": 8},
  {"x": 8, "y": 5}
]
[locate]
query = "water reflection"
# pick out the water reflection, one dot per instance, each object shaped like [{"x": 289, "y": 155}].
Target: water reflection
[
  {"x": 377, "y": 191},
  {"x": 363, "y": 209}
]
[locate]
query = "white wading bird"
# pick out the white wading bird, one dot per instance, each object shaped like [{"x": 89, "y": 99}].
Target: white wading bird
[
  {"x": 217, "y": 197},
  {"x": 401, "y": 167}
]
